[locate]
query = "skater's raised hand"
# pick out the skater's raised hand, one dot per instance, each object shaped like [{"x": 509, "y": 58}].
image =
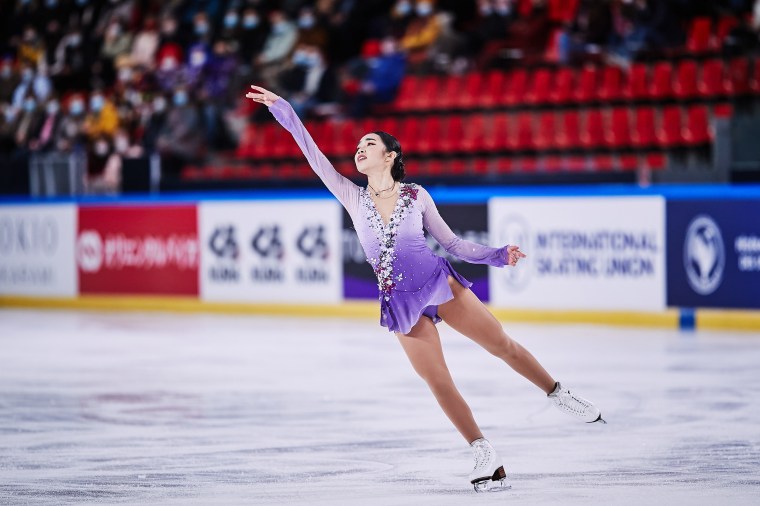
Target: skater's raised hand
[
  {"x": 262, "y": 96},
  {"x": 514, "y": 254}
]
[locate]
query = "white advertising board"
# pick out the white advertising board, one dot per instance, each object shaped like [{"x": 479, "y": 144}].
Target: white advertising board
[
  {"x": 37, "y": 250},
  {"x": 271, "y": 251},
  {"x": 583, "y": 253}
]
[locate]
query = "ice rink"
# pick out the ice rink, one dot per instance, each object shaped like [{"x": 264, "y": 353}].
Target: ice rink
[{"x": 129, "y": 408}]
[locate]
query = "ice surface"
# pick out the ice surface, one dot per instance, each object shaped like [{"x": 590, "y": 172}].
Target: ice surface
[{"x": 130, "y": 408}]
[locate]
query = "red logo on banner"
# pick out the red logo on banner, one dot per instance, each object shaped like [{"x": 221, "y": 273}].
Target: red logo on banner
[{"x": 138, "y": 250}]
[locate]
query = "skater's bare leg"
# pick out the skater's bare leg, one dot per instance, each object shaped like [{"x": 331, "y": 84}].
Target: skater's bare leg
[
  {"x": 423, "y": 347},
  {"x": 470, "y": 317}
]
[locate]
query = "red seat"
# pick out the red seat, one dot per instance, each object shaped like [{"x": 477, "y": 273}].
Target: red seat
[
  {"x": 327, "y": 137},
  {"x": 686, "y": 80},
  {"x": 712, "y": 83},
  {"x": 407, "y": 93},
  {"x": 540, "y": 87},
  {"x": 552, "y": 50},
  {"x": 522, "y": 137},
  {"x": 474, "y": 133},
  {"x": 698, "y": 39},
  {"x": 452, "y": 88},
  {"x": 494, "y": 92},
  {"x": 428, "y": 95},
  {"x": 618, "y": 132},
  {"x": 601, "y": 163},
  {"x": 503, "y": 165},
  {"x": 346, "y": 138},
  {"x": 562, "y": 89},
  {"x": 612, "y": 84},
  {"x": 480, "y": 166},
  {"x": 629, "y": 162},
  {"x": 245, "y": 145},
  {"x": 454, "y": 138},
  {"x": 546, "y": 134},
  {"x": 725, "y": 25},
  {"x": 388, "y": 125},
  {"x": 471, "y": 91},
  {"x": 516, "y": 87},
  {"x": 738, "y": 81},
  {"x": 457, "y": 167},
  {"x": 587, "y": 88},
  {"x": 655, "y": 161},
  {"x": 644, "y": 134},
  {"x": 496, "y": 137},
  {"x": 410, "y": 133},
  {"x": 754, "y": 82},
  {"x": 568, "y": 133},
  {"x": 637, "y": 85},
  {"x": 662, "y": 81},
  {"x": 697, "y": 131},
  {"x": 670, "y": 133},
  {"x": 592, "y": 135}
]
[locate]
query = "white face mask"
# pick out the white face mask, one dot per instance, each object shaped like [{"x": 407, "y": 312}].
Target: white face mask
[
  {"x": 424, "y": 9},
  {"x": 197, "y": 58}
]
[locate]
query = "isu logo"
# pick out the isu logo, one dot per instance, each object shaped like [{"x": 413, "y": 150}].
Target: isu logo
[
  {"x": 90, "y": 251},
  {"x": 704, "y": 256}
]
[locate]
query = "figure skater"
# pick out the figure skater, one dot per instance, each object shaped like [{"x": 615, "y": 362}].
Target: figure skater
[{"x": 418, "y": 288}]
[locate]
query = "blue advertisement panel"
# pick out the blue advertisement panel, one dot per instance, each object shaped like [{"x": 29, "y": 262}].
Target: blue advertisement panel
[{"x": 713, "y": 255}]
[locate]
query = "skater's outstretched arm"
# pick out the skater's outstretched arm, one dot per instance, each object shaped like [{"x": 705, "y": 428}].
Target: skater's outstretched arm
[
  {"x": 345, "y": 190},
  {"x": 466, "y": 250}
]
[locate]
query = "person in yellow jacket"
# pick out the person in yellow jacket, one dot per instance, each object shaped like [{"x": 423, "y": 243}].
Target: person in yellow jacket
[
  {"x": 421, "y": 33},
  {"x": 102, "y": 118}
]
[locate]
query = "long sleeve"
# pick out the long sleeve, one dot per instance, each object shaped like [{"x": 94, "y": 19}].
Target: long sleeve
[
  {"x": 466, "y": 250},
  {"x": 343, "y": 189}
]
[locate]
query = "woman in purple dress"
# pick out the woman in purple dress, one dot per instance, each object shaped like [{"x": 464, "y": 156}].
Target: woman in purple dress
[{"x": 418, "y": 288}]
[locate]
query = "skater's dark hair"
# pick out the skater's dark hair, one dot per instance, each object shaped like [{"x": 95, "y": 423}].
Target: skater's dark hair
[{"x": 392, "y": 144}]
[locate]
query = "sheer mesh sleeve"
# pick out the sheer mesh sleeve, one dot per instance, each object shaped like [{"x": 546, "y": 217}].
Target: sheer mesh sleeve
[
  {"x": 343, "y": 189},
  {"x": 466, "y": 250}
]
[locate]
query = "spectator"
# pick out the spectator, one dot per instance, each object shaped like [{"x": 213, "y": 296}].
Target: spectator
[
  {"x": 278, "y": 45},
  {"x": 27, "y": 122},
  {"x": 181, "y": 139},
  {"x": 45, "y": 137},
  {"x": 116, "y": 43},
  {"x": 311, "y": 29},
  {"x": 145, "y": 45},
  {"x": 153, "y": 123},
  {"x": 421, "y": 33},
  {"x": 31, "y": 50},
  {"x": 9, "y": 81},
  {"x": 489, "y": 29},
  {"x": 38, "y": 85},
  {"x": 103, "y": 167},
  {"x": 103, "y": 118},
  {"x": 589, "y": 31},
  {"x": 70, "y": 134},
  {"x": 70, "y": 67},
  {"x": 309, "y": 83},
  {"x": 253, "y": 35},
  {"x": 381, "y": 80}
]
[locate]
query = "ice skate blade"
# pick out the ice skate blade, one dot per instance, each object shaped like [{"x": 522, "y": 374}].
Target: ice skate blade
[
  {"x": 599, "y": 419},
  {"x": 495, "y": 483}
]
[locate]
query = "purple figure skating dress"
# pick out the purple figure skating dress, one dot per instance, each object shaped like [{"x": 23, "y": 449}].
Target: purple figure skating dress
[{"x": 412, "y": 280}]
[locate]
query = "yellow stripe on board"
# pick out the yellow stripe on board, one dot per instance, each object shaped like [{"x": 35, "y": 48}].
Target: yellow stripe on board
[
  {"x": 714, "y": 319},
  {"x": 705, "y": 319}
]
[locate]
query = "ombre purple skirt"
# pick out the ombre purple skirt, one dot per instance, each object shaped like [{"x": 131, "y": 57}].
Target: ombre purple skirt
[{"x": 404, "y": 308}]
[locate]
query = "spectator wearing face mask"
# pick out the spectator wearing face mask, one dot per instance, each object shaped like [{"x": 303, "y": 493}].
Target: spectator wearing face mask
[
  {"x": 103, "y": 167},
  {"x": 153, "y": 123},
  {"x": 198, "y": 58},
  {"x": 253, "y": 35},
  {"x": 309, "y": 83},
  {"x": 31, "y": 49},
  {"x": 401, "y": 15},
  {"x": 9, "y": 80},
  {"x": 278, "y": 45},
  {"x": 381, "y": 78},
  {"x": 116, "y": 43},
  {"x": 312, "y": 31},
  {"x": 181, "y": 138},
  {"x": 27, "y": 122},
  {"x": 490, "y": 26},
  {"x": 71, "y": 134},
  {"x": 103, "y": 117},
  {"x": 45, "y": 136},
  {"x": 421, "y": 33}
]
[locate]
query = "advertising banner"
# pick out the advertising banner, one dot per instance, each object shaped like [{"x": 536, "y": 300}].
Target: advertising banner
[
  {"x": 468, "y": 221},
  {"x": 271, "y": 251},
  {"x": 37, "y": 250},
  {"x": 714, "y": 253},
  {"x": 583, "y": 253},
  {"x": 148, "y": 250}
]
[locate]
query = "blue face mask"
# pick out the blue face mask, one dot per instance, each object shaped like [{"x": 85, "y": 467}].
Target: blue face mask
[
  {"x": 77, "y": 108},
  {"x": 180, "y": 98},
  {"x": 230, "y": 20},
  {"x": 306, "y": 22},
  {"x": 81, "y": 2},
  {"x": 301, "y": 58},
  {"x": 250, "y": 22},
  {"x": 96, "y": 103},
  {"x": 29, "y": 104},
  {"x": 403, "y": 8},
  {"x": 201, "y": 29},
  {"x": 51, "y": 3}
]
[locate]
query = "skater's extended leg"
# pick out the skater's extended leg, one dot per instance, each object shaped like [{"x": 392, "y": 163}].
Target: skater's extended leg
[
  {"x": 423, "y": 347},
  {"x": 470, "y": 317}
]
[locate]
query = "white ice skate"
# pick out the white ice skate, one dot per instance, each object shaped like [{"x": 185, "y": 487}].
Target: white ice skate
[
  {"x": 488, "y": 474},
  {"x": 575, "y": 405}
]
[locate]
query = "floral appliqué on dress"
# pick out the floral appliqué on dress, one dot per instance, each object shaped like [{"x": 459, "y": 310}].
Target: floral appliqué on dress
[{"x": 383, "y": 266}]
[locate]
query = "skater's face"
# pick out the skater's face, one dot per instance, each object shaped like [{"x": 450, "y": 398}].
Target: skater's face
[{"x": 372, "y": 156}]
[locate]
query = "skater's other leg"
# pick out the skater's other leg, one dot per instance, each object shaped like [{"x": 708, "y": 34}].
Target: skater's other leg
[
  {"x": 423, "y": 347},
  {"x": 466, "y": 314}
]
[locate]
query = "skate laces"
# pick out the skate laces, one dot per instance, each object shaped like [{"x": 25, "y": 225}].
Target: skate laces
[
  {"x": 565, "y": 399},
  {"x": 482, "y": 452}
]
